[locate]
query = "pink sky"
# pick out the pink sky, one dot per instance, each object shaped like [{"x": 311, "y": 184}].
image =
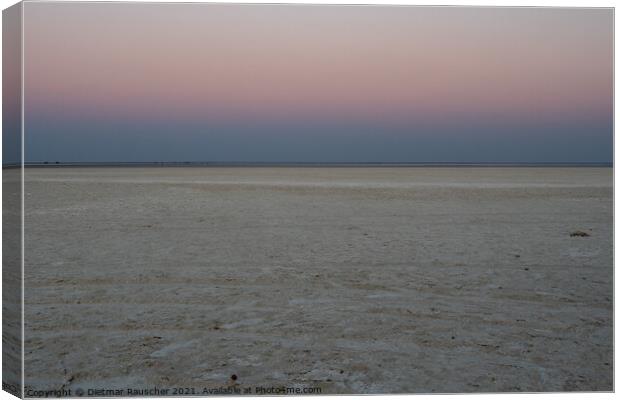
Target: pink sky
[
  {"x": 223, "y": 71},
  {"x": 228, "y": 60}
]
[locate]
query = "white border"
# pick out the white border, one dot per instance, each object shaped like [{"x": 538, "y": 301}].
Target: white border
[
  {"x": 447, "y": 3},
  {"x": 23, "y": 229}
]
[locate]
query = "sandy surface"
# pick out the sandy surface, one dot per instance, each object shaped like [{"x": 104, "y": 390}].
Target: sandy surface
[
  {"x": 354, "y": 280},
  {"x": 11, "y": 280}
]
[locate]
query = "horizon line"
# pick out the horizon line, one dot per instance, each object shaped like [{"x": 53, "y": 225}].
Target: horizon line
[{"x": 44, "y": 164}]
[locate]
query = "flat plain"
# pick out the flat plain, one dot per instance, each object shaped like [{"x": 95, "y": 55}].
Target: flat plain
[{"x": 352, "y": 280}]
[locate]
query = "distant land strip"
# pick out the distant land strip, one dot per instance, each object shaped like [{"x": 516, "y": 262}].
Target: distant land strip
[{"x": 57, "y": 164}]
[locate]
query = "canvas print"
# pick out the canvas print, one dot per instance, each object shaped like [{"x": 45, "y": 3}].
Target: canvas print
[{"x": 203, "y": 199}]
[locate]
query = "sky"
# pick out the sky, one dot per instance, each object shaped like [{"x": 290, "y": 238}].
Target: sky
[
  {"x": 315, "y": 83},
  {"x": 11, "y": 85}
]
